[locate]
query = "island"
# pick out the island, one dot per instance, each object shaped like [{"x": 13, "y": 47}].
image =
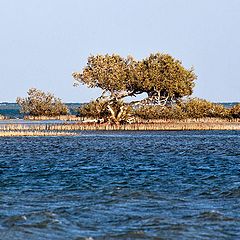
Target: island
[{"x": 154, "y": 93}]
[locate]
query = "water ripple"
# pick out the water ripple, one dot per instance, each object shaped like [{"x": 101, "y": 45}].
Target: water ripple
[{"x": 121, "y": 185}]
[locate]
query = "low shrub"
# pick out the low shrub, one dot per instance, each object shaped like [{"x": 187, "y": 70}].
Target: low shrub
[
  {"x": 39, "y": 103},
  {"x": 200, "y": 108},
  {"x": 160, "y": 112},
  {"x": 108, "y": 111},
  {"x": 190, "y": 108},
  {"x": 235, "y": 111}
]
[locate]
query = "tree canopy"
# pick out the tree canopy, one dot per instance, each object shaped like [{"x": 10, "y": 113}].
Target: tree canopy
[
  {"x": 39, "y": 103},
  {"x": 162, "y": 77}
]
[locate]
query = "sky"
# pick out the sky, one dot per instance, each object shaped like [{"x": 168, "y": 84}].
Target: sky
[{"x": 43, "y": 41}]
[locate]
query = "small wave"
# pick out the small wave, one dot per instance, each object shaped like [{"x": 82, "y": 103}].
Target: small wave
[
  {"x": 211, "y": 177},
  {"x": 14, "y": 220},
  {"x": 132, "y": 234},
  {"x": 35, "y": 219},
  {"x": 233, "y": 192},
  {"x": 215, "y": 216}
]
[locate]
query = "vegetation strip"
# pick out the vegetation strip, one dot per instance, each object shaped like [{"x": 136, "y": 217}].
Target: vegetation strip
[
  {"x": 13, "y": 133},
  {"x": 60, "y": 129}
]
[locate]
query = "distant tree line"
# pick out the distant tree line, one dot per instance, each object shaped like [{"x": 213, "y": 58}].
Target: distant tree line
[{"x": 165, "y": 82}]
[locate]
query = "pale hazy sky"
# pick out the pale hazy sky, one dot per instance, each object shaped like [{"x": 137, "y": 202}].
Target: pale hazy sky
[{"x": 43, "y": 41}]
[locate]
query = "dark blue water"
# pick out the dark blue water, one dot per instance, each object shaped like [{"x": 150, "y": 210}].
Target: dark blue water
[{"x": 123, "y": 185}]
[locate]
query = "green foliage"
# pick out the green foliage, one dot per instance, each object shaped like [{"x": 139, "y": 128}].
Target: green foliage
[
  {"x": 191, "y": 108},
  {"x": 111, "y": 73},
  {"x": 200, "y": 108},
  {"x": 235, "y": 111},
  {"x": 113, "y": 112},
  {"x": 39, "y": 103},
  {"x": 160, "y": 112},
  {"x": 162, "y": 77},
  {"x": 220, "y": 111},
  {"x": 95, "y": 109}
]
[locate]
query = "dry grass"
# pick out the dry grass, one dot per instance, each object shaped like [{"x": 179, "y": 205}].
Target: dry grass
[
  {"x": 189, "y": 124},
  {"x": 61, "y": 117},
  {"x": 34, "y": 133}
]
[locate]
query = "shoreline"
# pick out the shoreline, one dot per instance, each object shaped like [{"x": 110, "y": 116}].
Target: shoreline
[
  {"x": 69, "y": 129},
  {"x": 34, "y": 133}
]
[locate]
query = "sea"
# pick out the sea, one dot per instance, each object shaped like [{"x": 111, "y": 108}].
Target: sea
[{"x": 121, "y": 185}]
